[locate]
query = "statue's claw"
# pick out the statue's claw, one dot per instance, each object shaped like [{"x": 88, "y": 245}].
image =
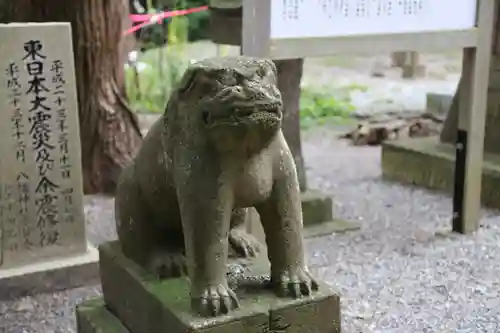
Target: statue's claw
[
  {"x": 215, "y": 300},
  {"x": 295, "y": 283}
]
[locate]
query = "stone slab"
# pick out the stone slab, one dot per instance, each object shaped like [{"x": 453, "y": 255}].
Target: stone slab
[
  {"x": 147, "y": 305},
  {"x": 41, "y": 195},
  {"x": 56, "y": 274},
  {"x": 429, "y": 163}
]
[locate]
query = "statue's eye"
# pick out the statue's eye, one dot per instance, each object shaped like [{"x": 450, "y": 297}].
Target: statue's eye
[{"x": 209, "y": 87}]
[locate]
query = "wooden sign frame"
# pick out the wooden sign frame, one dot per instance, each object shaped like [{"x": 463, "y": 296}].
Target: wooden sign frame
[{"x": 476, "y": 43}]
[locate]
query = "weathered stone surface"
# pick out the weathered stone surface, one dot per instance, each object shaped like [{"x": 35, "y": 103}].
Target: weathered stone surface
[
  {"x": 429, "y": 163},
  {"x": 60, "y": 274},
  {"x": 147, "y": 305},
  {"x": 41, "y": 217},
  {"x": 43, "y": 243}
]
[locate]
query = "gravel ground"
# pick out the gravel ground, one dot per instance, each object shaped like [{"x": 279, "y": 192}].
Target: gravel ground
[{"x": 401, "y": 272}]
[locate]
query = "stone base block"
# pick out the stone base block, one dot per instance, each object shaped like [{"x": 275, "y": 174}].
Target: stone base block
[
  {"x": 144, "y": 304},
  {"x": 429, "y": 163},
  {"x": 54, "y": 275},
  {"x": 317, "y": 214}
]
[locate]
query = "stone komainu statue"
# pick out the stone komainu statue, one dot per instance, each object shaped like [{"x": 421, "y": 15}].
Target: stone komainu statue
[{"x": 217, "y": 150}]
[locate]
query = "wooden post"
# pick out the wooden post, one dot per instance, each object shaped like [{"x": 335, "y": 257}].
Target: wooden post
[{"x": 471, "y": 124}]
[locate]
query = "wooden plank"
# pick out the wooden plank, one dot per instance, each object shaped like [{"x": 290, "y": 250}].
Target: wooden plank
[
  {"x": 471, "y": 123},
  {"x": 291, "y": 48}
]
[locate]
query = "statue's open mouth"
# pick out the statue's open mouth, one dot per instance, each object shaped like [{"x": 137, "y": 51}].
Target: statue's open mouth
[
  {"x": 238, "y": 113},
  {"x": 257, "y": 108}
]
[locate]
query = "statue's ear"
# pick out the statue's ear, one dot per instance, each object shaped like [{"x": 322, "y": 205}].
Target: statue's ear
[{"x": 268, "y": 67}]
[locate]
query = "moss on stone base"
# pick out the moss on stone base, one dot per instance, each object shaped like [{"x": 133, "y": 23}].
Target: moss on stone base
[
  {"x": 429, "y": 163},
  {"x": 147, "y": 305}
]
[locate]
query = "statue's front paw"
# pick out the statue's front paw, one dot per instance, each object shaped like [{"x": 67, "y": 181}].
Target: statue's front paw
[
  {"x": 214, "y": 300},
  {"x": 295, "y": 282}
]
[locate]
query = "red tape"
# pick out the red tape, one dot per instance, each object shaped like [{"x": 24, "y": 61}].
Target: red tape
[{"x": 147, "y": 19}]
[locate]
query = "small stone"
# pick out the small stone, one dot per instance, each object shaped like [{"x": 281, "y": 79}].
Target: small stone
[{"x": 25, "y": 305}]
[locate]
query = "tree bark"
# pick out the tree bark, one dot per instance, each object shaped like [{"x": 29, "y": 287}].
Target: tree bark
[
  {"x": 289, "y": 76},
  {"x": 110, "y": 134}
]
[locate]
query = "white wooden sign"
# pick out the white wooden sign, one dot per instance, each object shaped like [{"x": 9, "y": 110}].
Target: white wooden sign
[
  {"x": 329, "y": 18},
  {"x": 286, "y": 29}
]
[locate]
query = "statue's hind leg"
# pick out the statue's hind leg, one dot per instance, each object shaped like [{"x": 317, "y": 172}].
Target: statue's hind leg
[
  {"x": 244, "y": 244},
  {"x": 159, "y": 251}
]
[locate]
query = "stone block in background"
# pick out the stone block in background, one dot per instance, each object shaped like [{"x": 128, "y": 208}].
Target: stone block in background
[
  {"x": 411, "y": 71},
  {"x": 429, "y": 163}
]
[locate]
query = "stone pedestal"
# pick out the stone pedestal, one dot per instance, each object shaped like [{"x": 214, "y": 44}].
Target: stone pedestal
[
  {"x": 430, "y": 163},
  {"x": 135, "y": 302}
]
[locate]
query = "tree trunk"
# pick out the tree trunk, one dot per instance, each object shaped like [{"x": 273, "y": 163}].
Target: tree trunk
[
  {"x": 110, "y": 134},
  {"x": 289, "y": 76}
]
